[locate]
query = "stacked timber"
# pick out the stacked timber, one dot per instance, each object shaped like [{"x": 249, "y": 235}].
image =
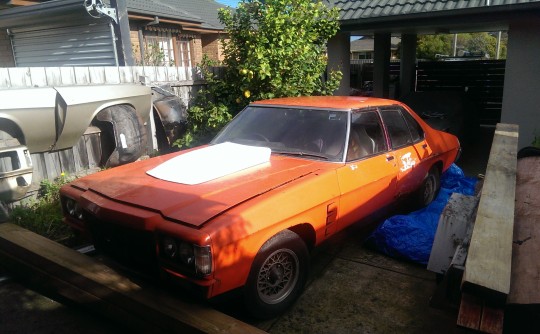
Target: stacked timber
[
  {"x": 523, "y": 303},
  {"x": 487, "y": 275},
  {"x": 54, "y": 269}
]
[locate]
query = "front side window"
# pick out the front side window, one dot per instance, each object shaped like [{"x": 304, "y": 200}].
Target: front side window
[{"x": 366, "y": 137}]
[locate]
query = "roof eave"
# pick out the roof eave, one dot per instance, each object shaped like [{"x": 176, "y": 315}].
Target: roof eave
[{"x": 497, "y": 15}]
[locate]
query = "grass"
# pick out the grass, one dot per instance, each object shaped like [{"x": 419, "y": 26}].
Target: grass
[{"x": 43, "y": 215}]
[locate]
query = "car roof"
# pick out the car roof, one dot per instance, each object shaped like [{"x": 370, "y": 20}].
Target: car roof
[{"x": 331, "y": 102}]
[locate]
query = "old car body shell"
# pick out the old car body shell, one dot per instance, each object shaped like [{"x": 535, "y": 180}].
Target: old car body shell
[
  {"x": 53, "y": 118},
  {"x": 238, "y": 213}
]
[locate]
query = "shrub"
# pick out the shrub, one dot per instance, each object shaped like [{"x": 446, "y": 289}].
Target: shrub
[{"x": 44, "y": 215}]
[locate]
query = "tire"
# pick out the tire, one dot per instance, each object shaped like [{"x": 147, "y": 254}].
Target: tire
[
  {"x": 123, "y": 135},
  {"x": 277, "y": 275},
  {"x": 430, "y": 187}
]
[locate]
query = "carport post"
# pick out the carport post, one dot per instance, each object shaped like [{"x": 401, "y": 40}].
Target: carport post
[
  {"x": 121, "y": 30},
  {"x": 381, "y": 70},
  {"x": 407, "y": 72},
  {"x": 339, "y": 59}
]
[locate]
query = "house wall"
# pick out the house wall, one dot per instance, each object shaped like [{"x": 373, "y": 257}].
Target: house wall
[
  {"x": 521, "y": 100},
  {"x": 6, "y": 54},
  {"x": 199, "y": 44},
  {"x": 135, "y": 45},
  {"x": 212, "y": 46},
  {"x": 196, "y": 50}
]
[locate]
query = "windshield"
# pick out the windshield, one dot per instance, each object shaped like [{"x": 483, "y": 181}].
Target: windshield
[{"x": 310, "y": 133}]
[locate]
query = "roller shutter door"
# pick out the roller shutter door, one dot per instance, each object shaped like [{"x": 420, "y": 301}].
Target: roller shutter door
[{"x": 83, "y": 42}]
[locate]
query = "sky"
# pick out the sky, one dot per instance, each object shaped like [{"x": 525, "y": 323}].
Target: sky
[{"x": 231, "y": 3}]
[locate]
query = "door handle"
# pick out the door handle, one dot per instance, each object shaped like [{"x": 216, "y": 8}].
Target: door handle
[
  {"x": 424, "y": 146},
  {"x": 390, "y": 158}
]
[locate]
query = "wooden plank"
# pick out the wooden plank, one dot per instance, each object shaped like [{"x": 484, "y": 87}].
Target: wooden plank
[
  {"x": 112, "y": 75},
  {"x": 492, "y": 319},
  {"x": 20, "y": 77},
  {"x": 92, "y": 284},
  {"x": 470, "y": 312},
  {"x": 54, "y": 76},
  {"x": 126, "y": 74},
  {"x": 38, "y": 77},
  {"x": 488, "y": 266},
  {"x": 82, "y": 75},
  {"x": 68, "y": 75},
  {"x": 5, "y": 81},
  {"x": 457, "y": 215},
  {"x": 525, "y": 282},
  {"x": 97, "y": 75}
]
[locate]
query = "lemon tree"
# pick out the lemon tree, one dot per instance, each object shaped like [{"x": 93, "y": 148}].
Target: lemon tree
[{"x": 277, "y": 48}]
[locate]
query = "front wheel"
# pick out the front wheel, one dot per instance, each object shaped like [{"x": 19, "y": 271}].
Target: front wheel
[
  {"x": 277, "y": 276},
  {"x": 430, "y": 187}
]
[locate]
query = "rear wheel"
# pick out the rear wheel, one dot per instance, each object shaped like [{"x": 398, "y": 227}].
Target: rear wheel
[
  {"x": 430, "y": 187},
  {"x": 277, "y": 276}
]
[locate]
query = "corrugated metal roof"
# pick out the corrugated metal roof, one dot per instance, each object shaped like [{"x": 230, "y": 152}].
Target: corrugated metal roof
[
  {"x": 201, "y": 11},
  {"x": 359, "y": 9}
]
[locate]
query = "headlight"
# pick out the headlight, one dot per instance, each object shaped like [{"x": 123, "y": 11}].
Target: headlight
[
  {"x": 74, "y": 209},
  {"x": 197, "y": 259},
  {"x": 186, "y": 253},
  {"x": 170, "y": 248}
]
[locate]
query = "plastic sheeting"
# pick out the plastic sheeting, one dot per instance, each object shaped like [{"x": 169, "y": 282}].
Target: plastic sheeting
[{"x": 411, "y": 236}]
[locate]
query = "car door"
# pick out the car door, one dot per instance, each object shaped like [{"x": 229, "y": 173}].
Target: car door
[
  {"x": 368, "y": 179},
  {"x": 408, "y": 147}
]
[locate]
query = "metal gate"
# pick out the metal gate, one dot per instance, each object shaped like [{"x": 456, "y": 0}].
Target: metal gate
[{"x": 83, "y": 41}]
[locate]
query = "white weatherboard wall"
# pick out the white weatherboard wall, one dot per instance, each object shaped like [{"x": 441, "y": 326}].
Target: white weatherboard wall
[{"x": 521, "y": 97}]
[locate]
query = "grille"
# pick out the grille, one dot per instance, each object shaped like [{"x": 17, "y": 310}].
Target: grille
[{"x": 134, "y": 248}]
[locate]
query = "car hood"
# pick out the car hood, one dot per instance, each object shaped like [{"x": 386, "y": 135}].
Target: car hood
[{"x": 194, "y": 204}]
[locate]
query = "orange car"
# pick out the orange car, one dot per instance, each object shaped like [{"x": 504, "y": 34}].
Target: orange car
[{"x": 245, "y": 211}]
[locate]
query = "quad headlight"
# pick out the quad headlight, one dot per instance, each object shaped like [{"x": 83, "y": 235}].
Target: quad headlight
[
  {"x": 194, "y": 257},
  {"x": 73, "y": 209}
]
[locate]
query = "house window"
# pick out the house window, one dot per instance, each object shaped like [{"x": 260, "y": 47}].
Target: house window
[
  {"x": 183, "y": 51},
  {"x": 159, "y": 48},
  {"x": 167, "y": 47}
]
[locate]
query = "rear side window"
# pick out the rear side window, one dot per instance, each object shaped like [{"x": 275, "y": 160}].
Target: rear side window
[
  {"x": 397, "y": 127},
  {"x": 417, "y": 133}
]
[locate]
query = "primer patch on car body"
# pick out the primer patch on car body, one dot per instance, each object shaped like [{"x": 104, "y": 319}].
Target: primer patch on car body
[{"x": 210, "y": 163}]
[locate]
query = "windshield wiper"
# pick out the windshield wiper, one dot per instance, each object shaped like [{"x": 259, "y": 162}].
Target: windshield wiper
[{"x": 301, "y": 154}]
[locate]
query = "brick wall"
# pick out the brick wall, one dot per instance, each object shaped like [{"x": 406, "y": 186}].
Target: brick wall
[
  {"x": 6, "y": 53},
  {"x": 135, "y": 46},
  {"x": 212, "y": 46},
  {"x": 196, "y": 50}
]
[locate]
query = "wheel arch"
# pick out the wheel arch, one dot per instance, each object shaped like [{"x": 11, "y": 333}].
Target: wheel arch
[
  {"x": 306, "y": 232},
  {"x": 12, "y": 129}
]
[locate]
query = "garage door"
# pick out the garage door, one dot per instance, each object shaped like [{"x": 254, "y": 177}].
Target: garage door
[{"x": 84, "y": 42}]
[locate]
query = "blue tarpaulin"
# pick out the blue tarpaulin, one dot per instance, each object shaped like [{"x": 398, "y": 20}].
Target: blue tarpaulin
[{"x": 411, "y": 236}]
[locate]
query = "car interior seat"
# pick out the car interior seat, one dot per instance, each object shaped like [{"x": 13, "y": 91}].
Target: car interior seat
[{"x": 360, "y": 144}]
